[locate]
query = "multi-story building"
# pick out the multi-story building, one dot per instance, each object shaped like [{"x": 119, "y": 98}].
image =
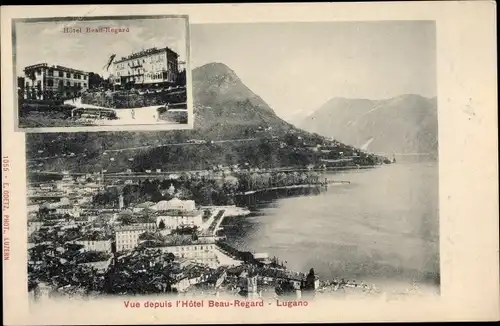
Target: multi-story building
[
  {"x": 33, "y": 208},
  {"x": 72, "y": 210},
  {"x": 34, "y": 226},
  {"x": 173, "y": 219},
  {"x": 127, "y": 237},
  {"x": 200, "y": 251},
  {"x": 44, "y": 81},
  {"x": 177, "y": 213},
  {"x": 147, "y": 68}
]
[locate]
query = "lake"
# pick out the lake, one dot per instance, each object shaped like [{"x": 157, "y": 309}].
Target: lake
[{"x": 381, "y": 228}]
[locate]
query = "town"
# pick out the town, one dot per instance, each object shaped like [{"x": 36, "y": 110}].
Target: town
[{"x": 157, "y": 232}]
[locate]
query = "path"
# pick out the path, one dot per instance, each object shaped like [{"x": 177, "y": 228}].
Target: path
[
  {"x": 225, "y": 260},
  {"x": 145, "y": 115}
]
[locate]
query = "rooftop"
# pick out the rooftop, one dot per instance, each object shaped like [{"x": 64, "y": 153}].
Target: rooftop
[
  {"x": 158, "y": 240},
  {"x": 132, "y": 227},
  {"x": 46, "y": 65},
  {"x": 145, "y": 204},
  {"x": 92, "y": 256},
  {"x": 176, "y": 212},
  {"x": 145, "y": 53},
  {"x": 95, "y": 236}
]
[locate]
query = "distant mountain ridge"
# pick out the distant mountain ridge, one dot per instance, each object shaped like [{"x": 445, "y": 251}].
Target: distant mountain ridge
[{"x": 403, "y": 124}]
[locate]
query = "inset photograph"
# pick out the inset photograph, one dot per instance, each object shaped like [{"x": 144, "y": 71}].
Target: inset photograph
[{"x": 82, "y": 74}]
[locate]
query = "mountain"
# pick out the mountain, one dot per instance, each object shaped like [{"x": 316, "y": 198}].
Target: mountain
[
  {"x": 222, "y": 100},
  {"x": 403, "y": 124},
  {"x": 225, "y": 109},
  {"x": 215, "y": 83}
]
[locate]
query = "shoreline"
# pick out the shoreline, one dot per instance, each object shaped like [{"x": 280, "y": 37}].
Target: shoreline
[{"x": 310, "y": 185}]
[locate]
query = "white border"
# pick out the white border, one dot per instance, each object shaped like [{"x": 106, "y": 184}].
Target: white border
[{"x": 468, "y": 173}]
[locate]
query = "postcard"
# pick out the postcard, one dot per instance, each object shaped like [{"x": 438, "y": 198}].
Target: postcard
[
  {"x": 334, "y": 163},
  {"x": 83, "y": 73}
]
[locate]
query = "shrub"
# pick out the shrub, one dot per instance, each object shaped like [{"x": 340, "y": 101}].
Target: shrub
[{"x": 127, "y": 100}]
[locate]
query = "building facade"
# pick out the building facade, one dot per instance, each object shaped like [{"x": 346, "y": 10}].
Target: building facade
[
  {"x": 177, "y": 213},
  {"x": 93, "y": 244},
  {"x": 127, "y": 237},
  {"x": 44, "y": 81},
  {"x": 202, "y": 253},
  {"x": 147, "y": 68},
  {"x": 173, "y": 219},
  {"x": 34, "y": 226},
  {"x": 72, "y": 210}
]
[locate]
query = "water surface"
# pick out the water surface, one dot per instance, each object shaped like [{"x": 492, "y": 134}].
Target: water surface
[{"x": 382, "y": 227}]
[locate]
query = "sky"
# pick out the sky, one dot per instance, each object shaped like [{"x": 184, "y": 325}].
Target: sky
[
  {"x": 297, "y": 67},
  {"x": 38, "y": 42}
]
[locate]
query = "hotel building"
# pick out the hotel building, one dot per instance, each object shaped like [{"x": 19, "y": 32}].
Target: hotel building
[
  {"x": 151, "y": 67},
  {"x": 43, "y": 81}
]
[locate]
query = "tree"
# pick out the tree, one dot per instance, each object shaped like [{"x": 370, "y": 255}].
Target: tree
[
  {"x": 310, "y": 279},
  {"x": 95, "y": 80},
  {"x": 285, "y": 288},
  {"x": 181, "y": 78},
  {"x": 170, "y": 256},
  {"x": 161, "y": 225},
  {"x": 126, "y": 219}
]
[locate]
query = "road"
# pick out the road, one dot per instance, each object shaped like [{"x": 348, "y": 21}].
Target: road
[
  {"x": 136, "y": 116},
  {"x": 403, "y": 154},
  {"x": 153, "y": 174},
  {"x": 146, "y": 115},
  {"x": 178, "y": 144},
  {"x": 144, "y": 147}
]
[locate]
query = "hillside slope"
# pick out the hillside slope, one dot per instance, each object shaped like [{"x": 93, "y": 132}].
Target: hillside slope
[
  {"x": 404, "y": 124},
  {"x": 221, "y": 98},
  {"x": 225, "y": 109}
]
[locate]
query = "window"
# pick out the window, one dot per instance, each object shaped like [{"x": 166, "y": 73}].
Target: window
[
  {"x": 68, "y": 84},
  {"x": 61, "y": 74},
  {"x": 51, "y": 73},
  {"x": 50, "y": 82},
  {"x": 68, "y": 75}
]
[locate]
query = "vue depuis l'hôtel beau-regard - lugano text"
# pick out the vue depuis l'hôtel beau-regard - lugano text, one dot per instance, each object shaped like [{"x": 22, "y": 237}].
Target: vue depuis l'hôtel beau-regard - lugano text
[{"x": 214, "y": 304}]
